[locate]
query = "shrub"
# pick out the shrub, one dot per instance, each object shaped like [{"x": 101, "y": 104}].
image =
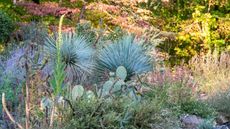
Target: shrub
[
  {"x": 123, "y": 108},
  {"x": 190, "y": 39},
  {"x": 33, "y": 32},
  {"x": 125, "y": 52},
  {"x": 221, "y": 101},
  {"x": 206, "y": 124},
  {"x": 6, "y": 26},
  {"x": 119, "y": 113},
  {"x": 176, "y": 89},
  {"x": 198, "y": 108},
  {"x": 181, "y": 99},
  {"x": 86, "y": 30}
]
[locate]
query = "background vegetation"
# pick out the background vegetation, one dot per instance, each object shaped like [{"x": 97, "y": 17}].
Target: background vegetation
[{"x": 115, "y": 64}]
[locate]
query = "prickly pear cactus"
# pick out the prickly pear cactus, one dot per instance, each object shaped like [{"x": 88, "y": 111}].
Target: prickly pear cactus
[
  {"x": 121, "y": 72},
  {"x": 118, "y": 85},
  {"x": 77, "y": 92},
  {"x": 90, "y": 95},
  {"x": 107, "y": 87}
]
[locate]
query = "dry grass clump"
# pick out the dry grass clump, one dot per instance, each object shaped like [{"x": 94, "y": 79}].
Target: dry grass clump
[{"x": 212, "y": 72}]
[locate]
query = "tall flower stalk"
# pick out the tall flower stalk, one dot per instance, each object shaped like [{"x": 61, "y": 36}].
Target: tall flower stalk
[{"x": 59, "y": 74}]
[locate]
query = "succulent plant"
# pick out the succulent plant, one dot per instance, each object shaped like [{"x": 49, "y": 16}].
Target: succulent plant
[
  {"x": 76, "y": 53},
  {"x": 77, "y": 92},
  {"x": 114, "y": 86},
  {"x": 121, "y": 72},
  {"x": 125, "y": 52},
  {"x": 90, "y": 95},
  {"x": 107, "y": 86}
]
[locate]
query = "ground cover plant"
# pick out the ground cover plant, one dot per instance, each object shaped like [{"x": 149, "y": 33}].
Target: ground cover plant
[{"x": 77, "y": 64}]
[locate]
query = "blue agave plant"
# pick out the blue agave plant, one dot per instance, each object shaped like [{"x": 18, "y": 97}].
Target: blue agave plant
[
  {"x": 76, "y": 53},
  {"x": 124, "y": 52}
]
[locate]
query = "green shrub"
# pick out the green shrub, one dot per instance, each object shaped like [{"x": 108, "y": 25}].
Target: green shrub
[
  {"x": 6, "y": 26},
  {"x": 119, "y": 113},
  {"x": 198, "y": 28},
  {"x": 9, "y": 91},
  {"x": 118, "y": 108},
  {"x": 221, "y": 101},
  {"x": 180, "y": 98},
  {"x": 198, "y": 108},
  {"x": 86, "y": 30},
  {"x": 206, "y": 124}
]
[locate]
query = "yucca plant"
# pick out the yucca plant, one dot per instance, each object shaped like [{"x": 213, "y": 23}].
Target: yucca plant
[
  {"x": 76, "y": 54},
  {"x": 124, "y": 52}
]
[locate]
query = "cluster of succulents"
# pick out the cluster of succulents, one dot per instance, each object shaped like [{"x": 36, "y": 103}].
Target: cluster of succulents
[{"x": 81, "y": 59}]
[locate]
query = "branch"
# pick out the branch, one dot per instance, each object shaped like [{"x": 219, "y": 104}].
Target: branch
[
  {"x": 71, "y": 106},
  {"x": 8, "y": 113}
]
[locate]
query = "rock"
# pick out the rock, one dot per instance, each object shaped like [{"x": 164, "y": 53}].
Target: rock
[
  {"x": 221, "y": 127},
  {"x": 227, "y": 124},
  {"x": 191, "y": 121},
  {"x": 221, "y": 119}
]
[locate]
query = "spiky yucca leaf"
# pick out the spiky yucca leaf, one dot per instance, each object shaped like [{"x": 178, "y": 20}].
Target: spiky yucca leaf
[
  {"x": 125, "y": 52},
  {"x": 76, "y": 53}
]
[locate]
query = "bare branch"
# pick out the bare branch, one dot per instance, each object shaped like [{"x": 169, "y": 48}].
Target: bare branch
[{"x": 8, "y": 113}]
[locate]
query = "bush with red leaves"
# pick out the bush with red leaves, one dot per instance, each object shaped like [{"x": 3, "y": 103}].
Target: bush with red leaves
[{"x": 47, "y": 8}]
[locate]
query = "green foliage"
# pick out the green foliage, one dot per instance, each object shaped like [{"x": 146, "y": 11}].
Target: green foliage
[
  {"x": 221, "y": 101},
  {"x": 175, "y": 93},
  {"x": 198, "y": 108},
  {"x": 15, "y": 12},
  {"x": 6, "y": 26},
  {"x": 59, "y": 74},
  {"x": 86, "y": 30},
  {"x": 199, "y": 26},
  {"x": 90, "y": 95},
  {"x": 180, "y": 98},
  {"x": 122, "y": 102},
  {"x": 115, "y": 34},
  {"x": 119, "y": 113},
  {"x": 122, "y": 110},
  {"x": 206, "y": 124},
  {"x": 11, "y": 92},
  {"x": 125, "y": 52},
  {"x": 95, "y": 16}
]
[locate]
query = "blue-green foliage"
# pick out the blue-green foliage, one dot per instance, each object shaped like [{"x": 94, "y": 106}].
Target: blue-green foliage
[
  {"x": 124, "y": 52},
  {"x": 76, "y": 53}
]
